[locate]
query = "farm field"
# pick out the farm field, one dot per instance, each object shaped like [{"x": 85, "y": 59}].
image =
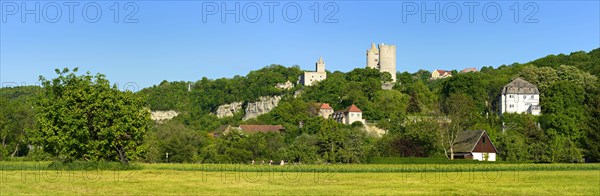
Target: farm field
[{"x": 186, "y": 179}]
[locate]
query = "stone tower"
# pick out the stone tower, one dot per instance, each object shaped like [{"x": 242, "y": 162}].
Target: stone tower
[
  {"x": 387, "y": 60},
  {"x": 383, "y": 58},
  {"x": 320, "y": 65},
  {"x": 373, "y": 57}
]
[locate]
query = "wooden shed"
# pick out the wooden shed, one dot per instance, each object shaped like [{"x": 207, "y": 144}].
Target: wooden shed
[{"x": 474, "y": 145}]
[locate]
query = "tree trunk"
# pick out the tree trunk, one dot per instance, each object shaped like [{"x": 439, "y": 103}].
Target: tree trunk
[
  {"x": 16, "y": 149},
  {"x": 451, "y": 153},
  {"x": 122, "y": 155}
]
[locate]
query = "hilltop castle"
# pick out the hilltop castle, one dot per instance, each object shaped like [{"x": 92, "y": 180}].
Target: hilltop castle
[
  {"x": 382, "y": 58},
  {"x": 310, "y": 77}
]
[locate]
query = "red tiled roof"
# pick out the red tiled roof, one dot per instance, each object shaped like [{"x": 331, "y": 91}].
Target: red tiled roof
[
  {"x": 441, "y": 72},
  {"x": 353, "y": 108},
  {"x": 326, "y": 106},
  {"x": 261, "y": 128}
]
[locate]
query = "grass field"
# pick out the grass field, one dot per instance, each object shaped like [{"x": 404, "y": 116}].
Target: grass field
[{"x": 186, "y": 179}]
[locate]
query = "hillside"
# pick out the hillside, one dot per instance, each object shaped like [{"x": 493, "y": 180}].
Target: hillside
[
  {"x": 417, "y": 114},
  {"x": 561, "y": 78}
]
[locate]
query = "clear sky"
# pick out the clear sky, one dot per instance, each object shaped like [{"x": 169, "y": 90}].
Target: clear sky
[{"x": 187, "y": 40}]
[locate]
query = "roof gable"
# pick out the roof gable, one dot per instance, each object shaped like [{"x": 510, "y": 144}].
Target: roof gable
[
  {"x": 353, "y": 108},
  {"x": 326, "y": 106},
  {"x": 466, "y": 140},
  {"x": 520, "y": 86}
]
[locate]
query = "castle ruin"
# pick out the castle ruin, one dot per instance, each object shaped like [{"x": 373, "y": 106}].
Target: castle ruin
[{"x": 383, "y": 58}]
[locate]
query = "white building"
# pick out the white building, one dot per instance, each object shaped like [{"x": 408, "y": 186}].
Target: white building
[
  {"x": 520, "y": 96},
  {"x": 349, "y": 115},
  {"x": 309, "y": 78}
]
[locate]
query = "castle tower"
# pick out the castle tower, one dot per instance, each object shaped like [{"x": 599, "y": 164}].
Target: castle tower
[
  {"x": 387, "y": 59},
  {"x": 373, "y": 57},
  {"x": 320, "y": 65}
]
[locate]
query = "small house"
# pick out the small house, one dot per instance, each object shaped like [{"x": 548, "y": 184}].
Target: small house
[
  {"x": 325, "y": 110},
  {"x": 437, "y": 74},
  {"x": 474, "y": 145},
  {"x": 470, "y": 69},
  {"x": 349, "y": 115}
]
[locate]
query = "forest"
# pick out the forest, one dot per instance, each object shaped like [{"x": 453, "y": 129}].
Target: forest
[{"x": 39, "y": 122}]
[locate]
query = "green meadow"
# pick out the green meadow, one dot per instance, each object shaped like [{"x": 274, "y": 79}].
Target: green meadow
[{"x": 374, "y": 179}]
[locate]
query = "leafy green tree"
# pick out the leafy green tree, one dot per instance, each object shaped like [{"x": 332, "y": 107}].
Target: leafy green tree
[
  {"x": 563, "y": 109},
  {"x": 387, "y": 103},
  {"x": 81, "y": 117},
  {"x": 181, "y": 143},
  {"x": 303, "y": 150},
  {"x": 462, "y": 114}
]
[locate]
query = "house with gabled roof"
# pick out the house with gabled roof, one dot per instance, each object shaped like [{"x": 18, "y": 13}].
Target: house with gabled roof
[
  {"x": 325, "y": 110},
  {"x": 474, "y": 145},
  {"x": 437, "y": 74},
  {"x": 520, "y": 96},
  {"x": 349, "y": 115}
]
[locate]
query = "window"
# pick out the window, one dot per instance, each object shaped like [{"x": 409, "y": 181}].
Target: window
[
  {"x": 511, "y": 106},
  {"x": 524, "y": 96},
  {"x": 483, "y": 140},
  {"x": 510, "y": 96}
]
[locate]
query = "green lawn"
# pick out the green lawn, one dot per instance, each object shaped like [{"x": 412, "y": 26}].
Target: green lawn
[{"x": 186, "y": 179}]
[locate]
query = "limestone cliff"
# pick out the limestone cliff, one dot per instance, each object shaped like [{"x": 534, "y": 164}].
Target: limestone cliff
[
  {"x": 159, "y": 116},
  {"x": 228, "y": 109},
  {"x": 262, "y": 106}
]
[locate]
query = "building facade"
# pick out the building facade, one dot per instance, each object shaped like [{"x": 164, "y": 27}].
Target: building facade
[
  {"x": 383, "y": 58},
  {"x": 349, "y": 115},
  {"x": 520, "y": 96},
  {"x": 310, "y": 78}
]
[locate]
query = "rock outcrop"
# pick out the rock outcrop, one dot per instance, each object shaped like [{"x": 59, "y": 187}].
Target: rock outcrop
[
  {"x": 159, "y": 116},
  {"x": 285, "y": 86},
  {"x": 264, "y": 105},
  {"x": 228, "y": 109}
]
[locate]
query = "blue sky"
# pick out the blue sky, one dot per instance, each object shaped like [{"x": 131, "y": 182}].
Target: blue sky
[{"x": 187, "y": 40}]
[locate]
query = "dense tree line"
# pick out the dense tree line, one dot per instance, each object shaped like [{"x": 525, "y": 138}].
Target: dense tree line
[{"x": 421, "y": 116}]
